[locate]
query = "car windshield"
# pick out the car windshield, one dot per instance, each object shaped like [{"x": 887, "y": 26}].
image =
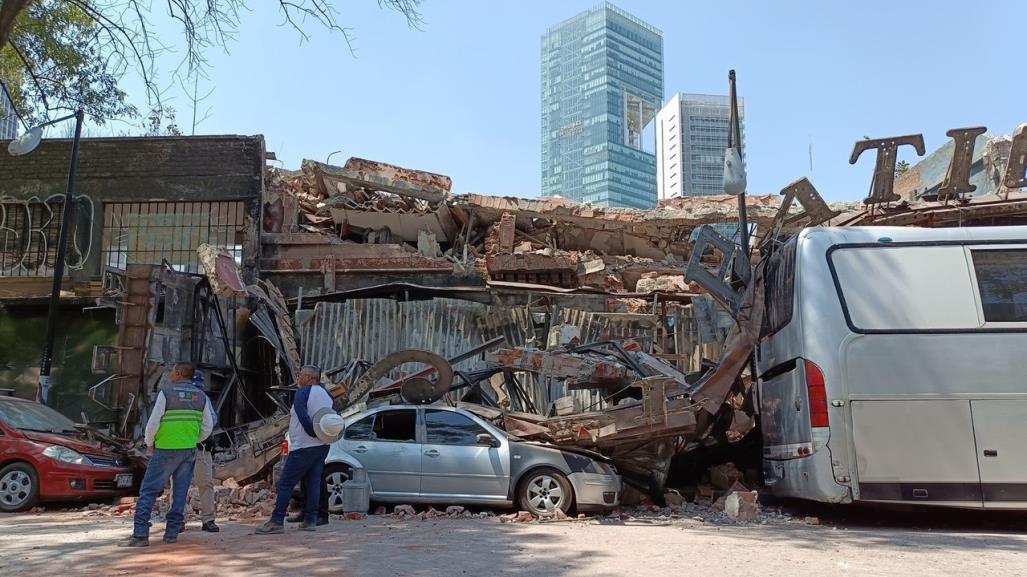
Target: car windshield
[{"x": 34, "y": 417}]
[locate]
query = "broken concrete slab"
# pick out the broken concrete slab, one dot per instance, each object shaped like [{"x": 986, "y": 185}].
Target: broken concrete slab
[
  {"x": 742, "y": 507},
  {"x": 427, "y": 186}
]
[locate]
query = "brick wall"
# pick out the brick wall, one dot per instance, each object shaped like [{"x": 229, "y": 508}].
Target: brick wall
[
  {"x": 190, "y": 168},
  {"x": 118, "y": 169}
]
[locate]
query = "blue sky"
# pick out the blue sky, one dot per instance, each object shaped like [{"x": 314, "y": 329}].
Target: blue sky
[{"x": 461, "y": 96}]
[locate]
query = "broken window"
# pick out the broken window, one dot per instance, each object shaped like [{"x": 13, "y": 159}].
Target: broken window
[
  {"x": 154, "y": 232},
  {"x": 360, "y": 430},
  {"x": 396, "y": 426},
  {"x": 1002, "y": 283},
  {"x": 448, "y": 428}
]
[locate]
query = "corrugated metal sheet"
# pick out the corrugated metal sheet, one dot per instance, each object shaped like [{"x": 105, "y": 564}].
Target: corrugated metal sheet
[
  {"x": 370, "y": 329},
  {"x": 612, "y": 326}
]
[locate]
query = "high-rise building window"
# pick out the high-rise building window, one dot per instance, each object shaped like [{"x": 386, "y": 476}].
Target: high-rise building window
[
  {"x": 602, "y": 82},
  {"x": 702, "y": 122}
]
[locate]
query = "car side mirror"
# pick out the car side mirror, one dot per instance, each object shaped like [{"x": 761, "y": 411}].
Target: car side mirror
[{"x": 487, "y": 439}]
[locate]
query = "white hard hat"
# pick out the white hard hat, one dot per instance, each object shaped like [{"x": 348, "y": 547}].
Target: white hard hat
[{"x": 328, "y": 425}]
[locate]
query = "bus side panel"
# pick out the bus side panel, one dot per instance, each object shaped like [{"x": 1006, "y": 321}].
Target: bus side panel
[
  {"x": 1002, "y": 451},
  {"x": 916, "y": 451}
]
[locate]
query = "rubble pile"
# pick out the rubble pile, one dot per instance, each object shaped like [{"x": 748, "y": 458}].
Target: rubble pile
[
  {"x": 548, "y": 242},
  {"x": 409, "y": 513},
  {"x": 232, "y": 502}
]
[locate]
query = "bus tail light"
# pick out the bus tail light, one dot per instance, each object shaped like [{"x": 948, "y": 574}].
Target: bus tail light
[{"x": 817, "y": 391}]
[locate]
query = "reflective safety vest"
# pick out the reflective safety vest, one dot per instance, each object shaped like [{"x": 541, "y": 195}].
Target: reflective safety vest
[{"x": 183, "y": 417}]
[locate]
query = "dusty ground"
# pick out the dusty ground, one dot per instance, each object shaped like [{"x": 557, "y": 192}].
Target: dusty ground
[{"x": 69, "y": 543}]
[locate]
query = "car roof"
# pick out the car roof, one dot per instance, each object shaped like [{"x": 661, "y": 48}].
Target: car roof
[{"x": 16, "y": 399}]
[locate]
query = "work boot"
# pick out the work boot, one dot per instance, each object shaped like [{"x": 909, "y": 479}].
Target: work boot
[
  {"x": 270, "y": 528},
  {"x": 170, "y": 539},
  {"x": 304, "y": 526},
  {"x": 210, "y": 527},
  {"x": 295, "y": 518},
  {"x": 135, "y": 542},
  {"x": 322, "y": 520}
]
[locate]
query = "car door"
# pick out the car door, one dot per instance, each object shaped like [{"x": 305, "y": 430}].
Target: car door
[
  {"x": 455, "y": 467},
  {"x": 386, "y": 444}
]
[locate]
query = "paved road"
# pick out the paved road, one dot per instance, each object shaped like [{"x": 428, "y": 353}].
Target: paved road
[{"x": 70, "y": 543}]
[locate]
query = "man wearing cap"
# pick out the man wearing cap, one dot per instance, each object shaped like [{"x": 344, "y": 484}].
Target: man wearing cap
[
  {"x": 313, "y": 425},
  {"x": 181, "y": 418}
]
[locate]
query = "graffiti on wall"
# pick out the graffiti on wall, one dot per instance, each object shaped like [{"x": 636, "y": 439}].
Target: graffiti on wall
[{"x": 29, "y": 229}]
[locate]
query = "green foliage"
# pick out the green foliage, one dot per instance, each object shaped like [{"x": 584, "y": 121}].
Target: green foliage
[
  {"x": 63, "y": 55},
  {"x": 54, "y": 62}
]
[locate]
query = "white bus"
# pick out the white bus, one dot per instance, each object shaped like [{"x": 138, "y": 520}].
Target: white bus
[{"x": 893, "y": 366}]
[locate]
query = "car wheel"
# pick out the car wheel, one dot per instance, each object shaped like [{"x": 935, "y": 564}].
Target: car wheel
[
  {"x": 543, "y": 491},
  {"x": 19, "y": 487},
  {"x": 331, "y": 488}
]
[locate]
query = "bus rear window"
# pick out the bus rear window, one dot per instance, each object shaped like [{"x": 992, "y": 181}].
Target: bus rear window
[
  {"x": 780, "y": 288},
  {"x": 1002, "y": 283}
]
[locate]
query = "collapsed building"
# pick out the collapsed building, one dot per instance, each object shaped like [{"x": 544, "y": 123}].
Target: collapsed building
[{"x": 567, "y": 323}]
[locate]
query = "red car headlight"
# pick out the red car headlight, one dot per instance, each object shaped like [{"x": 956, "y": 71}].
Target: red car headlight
[{"x": 66, "y": 455}]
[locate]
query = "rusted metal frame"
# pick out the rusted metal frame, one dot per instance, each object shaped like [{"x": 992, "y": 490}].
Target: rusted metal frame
[
  {"x": 230, "y": 353},
  {"x": 621, "y": 354},
  {"x": 428, "y": 371},
  {"x": 515, "y": 385},
  {"x": 813, "y": 205},
  {"x": 957, "y": 178},
  {"x": 713, "y": 387},
  {"x": 717, "y": 285},
  {"x": 381, "y": 368},
  {"x": 883, "y": 183},
  {"x": 940, "y": 214}
]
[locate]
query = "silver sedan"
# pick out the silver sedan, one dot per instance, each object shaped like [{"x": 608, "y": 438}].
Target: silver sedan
[{"x": 438, "y": 454}]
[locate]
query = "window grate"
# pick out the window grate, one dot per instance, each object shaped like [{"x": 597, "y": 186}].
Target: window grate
[{"x": 154, "y": 232}]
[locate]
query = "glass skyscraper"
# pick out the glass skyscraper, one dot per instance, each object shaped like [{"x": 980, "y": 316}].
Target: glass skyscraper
[
  {"x": 602, "y": 82},
  {"x": 691, "y": 137}
]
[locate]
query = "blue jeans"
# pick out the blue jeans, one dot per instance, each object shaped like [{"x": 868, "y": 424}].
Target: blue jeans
[
  {"x": 307, "y": 464},
  {"x": 165, "y": 464}
]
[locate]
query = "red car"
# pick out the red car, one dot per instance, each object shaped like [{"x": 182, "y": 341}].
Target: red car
[{"x": 44, "y": 457}]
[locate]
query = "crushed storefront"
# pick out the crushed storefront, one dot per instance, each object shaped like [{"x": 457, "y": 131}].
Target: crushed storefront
[
  {"x": 623, "y": 331},
  {"x": 132, "y": 298}
]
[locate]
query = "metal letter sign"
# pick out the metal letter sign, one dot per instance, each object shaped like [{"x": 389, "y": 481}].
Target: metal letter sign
[
  {"x": 884, "y": 170},
  {"x": 957, "y": 179},
  {"x": 1016, "y": 170}
]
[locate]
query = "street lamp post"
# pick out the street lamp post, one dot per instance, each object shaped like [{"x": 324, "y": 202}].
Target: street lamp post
[{"x": 25, "y": 144}]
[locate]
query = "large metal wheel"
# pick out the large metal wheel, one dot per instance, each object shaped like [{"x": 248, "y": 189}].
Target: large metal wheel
[
  {"x": 19, "y": 487},
  {"x": 331, "y": 491},
  {"x": 543, "y": 491}
]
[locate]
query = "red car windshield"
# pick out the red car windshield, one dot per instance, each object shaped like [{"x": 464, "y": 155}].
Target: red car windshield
[{"x": 34, "y": 417}]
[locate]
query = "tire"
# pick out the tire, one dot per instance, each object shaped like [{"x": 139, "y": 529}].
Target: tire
[
  {"x": 19, "y": 488},
  {"x": 334, "y": 476},
  {"x": 542, "y": 491}
]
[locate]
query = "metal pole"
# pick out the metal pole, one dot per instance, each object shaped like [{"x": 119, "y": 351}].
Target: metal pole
[
  {"x": 43, "y": 391},
  {"x": 734, "y": 140}
]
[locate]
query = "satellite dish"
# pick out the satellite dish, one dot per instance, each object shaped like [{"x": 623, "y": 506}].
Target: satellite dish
[{"x": 26, "y": 143}]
